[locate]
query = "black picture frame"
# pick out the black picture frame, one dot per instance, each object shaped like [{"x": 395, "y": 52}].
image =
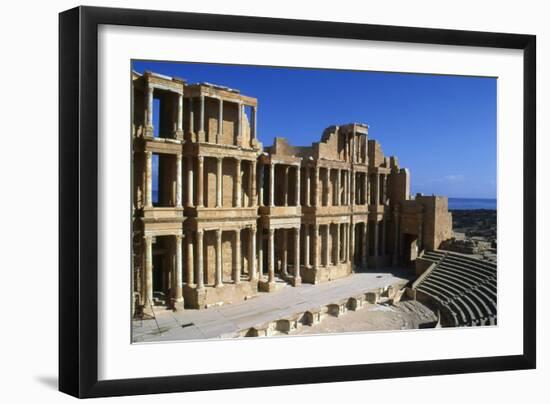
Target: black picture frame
[{"x": 78, "y": 200}]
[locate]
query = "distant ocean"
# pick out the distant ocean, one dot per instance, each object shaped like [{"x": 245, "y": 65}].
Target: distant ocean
[{"x": 472, "y": 203}]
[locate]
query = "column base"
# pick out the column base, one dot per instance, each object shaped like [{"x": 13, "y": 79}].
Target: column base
[
  {"x": 177, "y": 304},
  {"x": 201, "y": 136},
  {"x": 296, "y": 281},
  {"x": 266, "y": 286},
  {"x": 178, "y": 135}
]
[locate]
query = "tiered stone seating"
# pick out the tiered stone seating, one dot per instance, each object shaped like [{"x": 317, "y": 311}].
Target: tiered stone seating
[{"x": 464, "y": 287}]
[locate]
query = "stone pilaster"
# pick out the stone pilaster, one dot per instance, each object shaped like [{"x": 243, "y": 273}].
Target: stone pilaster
[
  {"x": 220, "y": 123},
  {"x": 189, "y": 270},
  {"x": 147, "y": 278},
  {"x": 298, "y": 185},
  {"x": 179, "y": 173},
  {"x": 307, "y": 196},
  {"x": 238, "y": 183},
  {"x": 148, "y": 179},
  {"x": 252, "y": 181},
  {"x": 285, "y": 251},
  {"x": 179, "y": 119},
  {"x": 297, "y": 278},
  {"x": 252, "y": 254},
  {"x": 200, "y": 182},
  {"x": 191, "y": 119},
  {"x": 315, "y": 246},
  {"x": 272, "y": 185},
  {"x": 149, "y": 110},
  {"x": 219, "y": 183},
  {"x": 201, "y": 120},
  {"x": 190, "y": 175},
  {"x": 219, "y": 269},
  {"x": 177, "y": 294},
  {"x": 285, "y": 175},
  {"x": 306, "y": 245},
  {"x": 237, "y": 274},
  {"x": 200, "y": 255},
  {"x": 271, "y": 256},
  {"x": 261, "y": 185},
  {"x": 327, "y": 249}
]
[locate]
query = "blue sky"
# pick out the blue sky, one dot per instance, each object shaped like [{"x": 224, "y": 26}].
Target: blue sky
[{"x": 443, "y": 128}]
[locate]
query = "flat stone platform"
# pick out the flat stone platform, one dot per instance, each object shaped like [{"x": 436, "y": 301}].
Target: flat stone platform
[{"x": 231, "y": 320}]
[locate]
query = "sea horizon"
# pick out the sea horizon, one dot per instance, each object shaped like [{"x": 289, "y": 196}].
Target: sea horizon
[{"x": 472, "y": 203}]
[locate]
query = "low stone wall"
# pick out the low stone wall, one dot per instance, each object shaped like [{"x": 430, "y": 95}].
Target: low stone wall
[
  {"x": 324, "y": 274},
  {"x": 215, "y": 296}
]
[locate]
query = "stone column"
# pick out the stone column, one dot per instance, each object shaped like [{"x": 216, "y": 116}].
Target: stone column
[
  {"x": 337, "y": 187},
  {"x": 327, "y": 249},
  {"x": 271, "y": 256},
  {"x": 148, "y": 179},
  {"x": 191, "y": 118},
  {"x": 147, "y": 279},
  {"x": 237, "y": 275},
  {"x": 338, "y": 244},
  {"x": 261, "y": 185},
  {"x": 179, "y": 173},
  {"x": 297, "y": 277},
  {"x": 219, "y": 270},
  {"x": 306, "y": 245},
  {"x": 315, "y": 246},
  {"x": 200, "y": 254},
  {"x": 189, "y": 274},
  {"x": 285, "y": 171},
  {"x": 253, "y": 133},
  {"x": 219, "y": 203},
  {"x": 316, "y": 193},
  {"x": 376, "y": 237},
  {"x": 298, "y": 184},
  {"x": 178, "y": 278},
  {"x": 149, "y": 103},
  {"x": 365, "y": 150},
  {"x": 238, "y": 183},
  {"x": 352, "y": 254},
  {"x": 252, "y": 184},
  {"x": 179, "y": 124},
  {"x": 190, "y": 182},
  {"x": 365, "y": 249},
  {"x": 285, "y": 251},
  {"x": 239, "y": 123},
  {"x": 353, "y": 201},
  {"x": 366, "y": 191},
  {"x": 307, "y": 196},
  {"x": 326, "y": 184},
  {"x": 200, "y": 182},
  {"x": 220, "y": 123},
  {"x": 252, "y": 254},
  {"x": 201, "y": 123},
  {"x": 272, "y": 185}
]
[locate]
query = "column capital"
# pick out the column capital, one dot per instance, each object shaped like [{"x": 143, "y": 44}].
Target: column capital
[{"x": 200, "y": 159}]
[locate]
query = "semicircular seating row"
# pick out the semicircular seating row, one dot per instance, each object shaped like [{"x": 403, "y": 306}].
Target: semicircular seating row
[{"x": 463, "y": 286}]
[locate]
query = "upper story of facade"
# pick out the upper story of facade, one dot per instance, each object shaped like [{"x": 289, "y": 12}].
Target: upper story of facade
[{"x": 209, "y": 159}]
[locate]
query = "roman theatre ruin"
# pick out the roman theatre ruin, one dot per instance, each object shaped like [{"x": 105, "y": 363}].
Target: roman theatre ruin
[{"x": 232, "y": 219}]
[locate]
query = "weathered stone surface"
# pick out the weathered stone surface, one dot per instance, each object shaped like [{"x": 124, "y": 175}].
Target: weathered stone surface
[{"x": 253, "y": 218}]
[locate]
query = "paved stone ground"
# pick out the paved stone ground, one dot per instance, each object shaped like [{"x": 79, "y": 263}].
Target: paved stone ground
[
  {"x": 375, "y": 317},
  {"x": 227, "y": 321}
]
